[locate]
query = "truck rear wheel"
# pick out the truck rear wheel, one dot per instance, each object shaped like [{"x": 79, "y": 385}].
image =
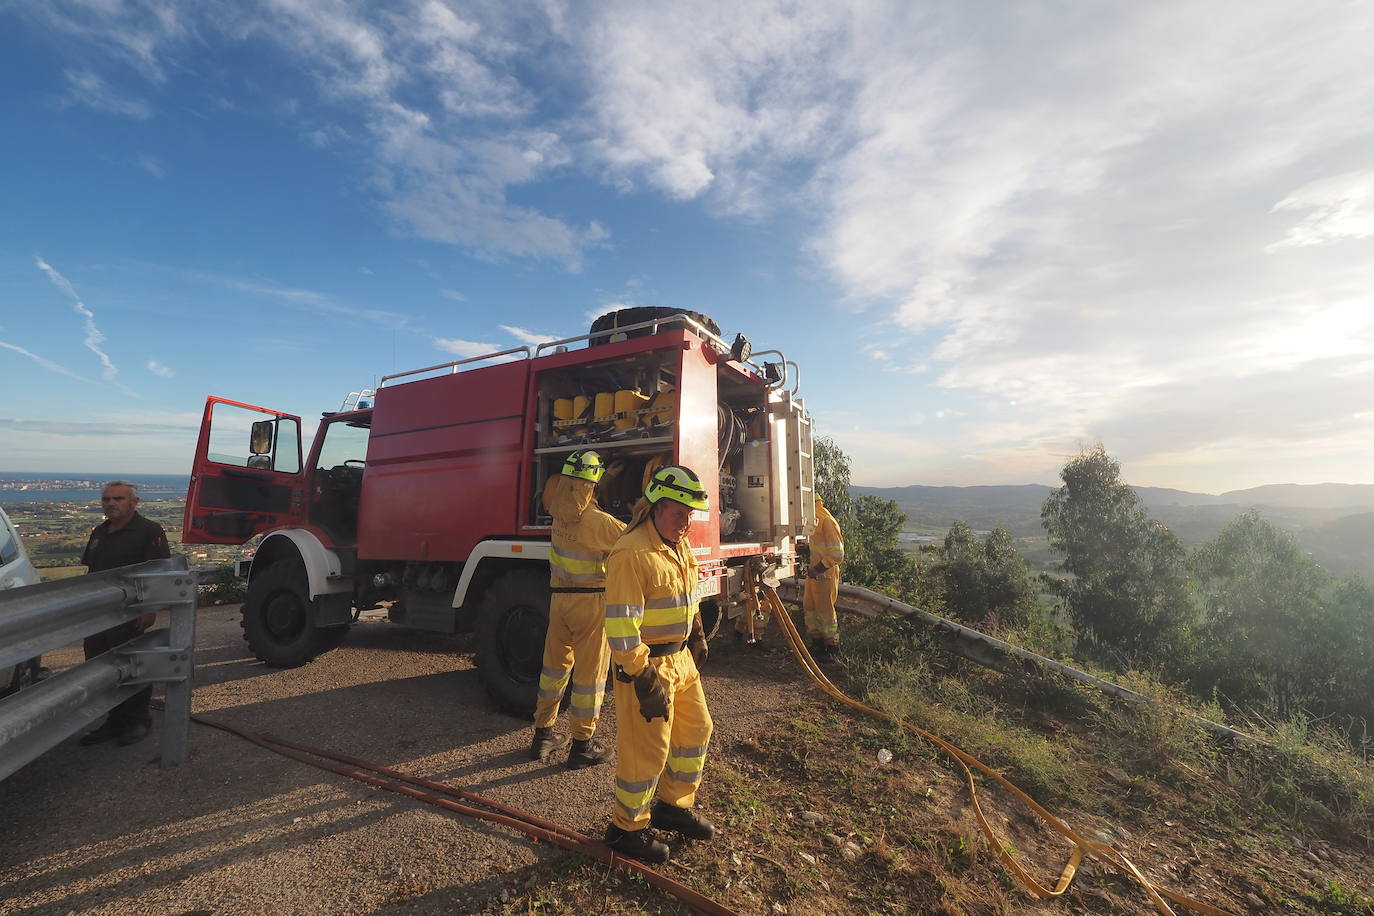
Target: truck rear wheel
[
  {"x": 510, "y": 639},
  {"x": 279, "y": 618}
]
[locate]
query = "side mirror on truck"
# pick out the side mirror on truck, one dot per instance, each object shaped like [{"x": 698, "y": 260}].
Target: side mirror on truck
[{"x": 260, "y": 439}]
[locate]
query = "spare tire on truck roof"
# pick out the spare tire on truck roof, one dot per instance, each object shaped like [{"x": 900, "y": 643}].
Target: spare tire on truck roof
[{"x": 622, "y": 317}]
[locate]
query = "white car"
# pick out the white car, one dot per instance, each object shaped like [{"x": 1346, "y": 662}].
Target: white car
[{"x": 15, "y": 572}]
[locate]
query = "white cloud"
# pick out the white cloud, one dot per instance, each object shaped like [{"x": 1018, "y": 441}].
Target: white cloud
[
  {"x": 93, "y": 338},
  {"x": 306, "y": 299},
  {"x": 1342, "y": 208},
  {"x": 135, "y": 32},
  {"x": 1071, "y": 207},
  {"x": 86, "y": 88},
  {"x": 158, "y": 369},
  {"x": 152, "y": 165},
  {"x": 1064, "y": 210},
  {"x": 718, "y": 99},
  {"x": 443, "y": 110},
  {"x": 467, "y": 349},
  {"x": 434, "y": 92},
  {"x": 45, "y": 363},
  {"x": 464, "y": 347},
  {"x": 530, "y": 338},
  {"x": 326, "y": 136},
  {"x": 101, "y": 428},
  {"x": 453, "y": 294}
]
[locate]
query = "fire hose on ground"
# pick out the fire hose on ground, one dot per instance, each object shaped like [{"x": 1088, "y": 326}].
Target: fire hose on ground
[
  {"x": 1083, "y": 847},
  {"x": 470, "y": 805},
  {"x": 541, "y": 830}
]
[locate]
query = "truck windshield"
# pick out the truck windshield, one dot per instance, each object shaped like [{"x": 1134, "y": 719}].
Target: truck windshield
[{"x": 345, "y": 442}]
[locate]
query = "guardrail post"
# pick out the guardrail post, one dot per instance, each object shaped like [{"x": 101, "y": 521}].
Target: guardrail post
[
  {"x": 176, "y": 591},
  {"x": 39, "y": 618}
]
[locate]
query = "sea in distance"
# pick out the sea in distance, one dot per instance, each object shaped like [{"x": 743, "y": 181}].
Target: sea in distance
[{"x": 82, "y": 487}]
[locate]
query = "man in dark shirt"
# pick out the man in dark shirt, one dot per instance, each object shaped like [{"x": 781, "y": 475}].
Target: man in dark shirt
[{"x": 123, "y": 539}]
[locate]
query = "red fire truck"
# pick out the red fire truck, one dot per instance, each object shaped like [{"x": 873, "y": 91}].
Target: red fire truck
[{"x": 423, "y": 496}]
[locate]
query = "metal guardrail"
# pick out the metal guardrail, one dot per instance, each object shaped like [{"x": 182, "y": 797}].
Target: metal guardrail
[
  {"x": 991, "y": 652},
  {"x": 48, "y": 616}
]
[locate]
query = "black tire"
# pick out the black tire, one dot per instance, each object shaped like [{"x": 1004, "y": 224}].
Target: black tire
[
  {"x": 710, "y": 617},
  {"x": 279, "y": 618},
  {"x": 510, "y": 639},
  {"x": 622, "y": 317}
]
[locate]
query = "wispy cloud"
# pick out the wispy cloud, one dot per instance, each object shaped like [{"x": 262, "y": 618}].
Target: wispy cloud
[
  {"x": 134, "y": 33},
  {"x": 91, "y": 429},
  {"x": 1342, "y": 207},
  {"x": 446, "y": 117},
  {"x": 1062, "y": 216},
  {"x": 529, "y": 338},
  {"x": 296, "y": 297},
  {"x": 86, "y": 88},
  {"x": 93, "y": 338},
  {"x": 45, "y": 363},
  {"x": 158, "y": 369},
  {"x": 468, "y": 349},
  {"x": 432, "y": 93},
  {"x": 464, "y": 347},
  {"x": 152, "y": 165},
  {"x": 453, "y": 294}
]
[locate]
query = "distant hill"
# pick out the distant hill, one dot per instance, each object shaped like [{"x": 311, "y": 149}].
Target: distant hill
[
  {"x": 1305, "y": 496},
  {"x": 1016, "y": 508},
  {"x": 1332, "y": 521},
  {"x": 1163, "y": 496}
]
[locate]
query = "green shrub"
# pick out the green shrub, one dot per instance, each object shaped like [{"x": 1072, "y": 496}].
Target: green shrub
[{"x": 221, "y": 586}]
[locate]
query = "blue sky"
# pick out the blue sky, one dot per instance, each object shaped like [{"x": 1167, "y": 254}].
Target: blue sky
[{"x": 990, "y": 235}]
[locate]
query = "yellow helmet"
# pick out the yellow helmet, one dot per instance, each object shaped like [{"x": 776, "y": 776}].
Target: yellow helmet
[
  {"x": 584, "y": 464},
  {"x": 679, "y": 484}
]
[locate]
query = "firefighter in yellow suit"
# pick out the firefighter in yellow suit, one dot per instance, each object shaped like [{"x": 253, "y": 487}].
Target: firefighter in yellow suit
[
  {"x": 823, "y": 585},
  {"x": 656, "y": 639},
  {"x": 575, "y": 647}
]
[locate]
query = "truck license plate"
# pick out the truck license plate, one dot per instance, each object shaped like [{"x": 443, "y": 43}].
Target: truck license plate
[{"x": 706, "y": 588}]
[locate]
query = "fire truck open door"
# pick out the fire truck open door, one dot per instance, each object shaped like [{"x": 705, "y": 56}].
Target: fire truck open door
[
  {"x": 795, "y": 511},
  {"x": 247, "y": 474}
]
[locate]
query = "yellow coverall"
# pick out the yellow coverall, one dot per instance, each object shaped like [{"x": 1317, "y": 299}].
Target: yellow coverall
[
  {"x": 649, "y": 602},
  {"x": 821, "y": 589},
  {"x": 576, "y": 640}
]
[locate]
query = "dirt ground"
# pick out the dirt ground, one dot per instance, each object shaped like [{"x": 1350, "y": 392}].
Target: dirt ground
[
  {"x": 816, "y": 815},
  {"x": 237, "y": 829}
]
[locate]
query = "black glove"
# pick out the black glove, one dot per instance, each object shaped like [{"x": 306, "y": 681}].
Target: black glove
[
  {"x": 817, "y": 568},
  {"x": 696, "y": 641},
  {"x": 653, "y": 702}
]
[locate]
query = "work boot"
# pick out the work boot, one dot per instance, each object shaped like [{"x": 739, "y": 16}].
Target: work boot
[
  {"x": 637, "y": 844},
  {"x": 681, "y": 820},
  {"x": 107, "y": 732},
  {"x": 133, "y": 734},
  {"x": 545, "y": 743},
  {"x": 822, "y": 651},
  {"x": 586, "y": 753}
]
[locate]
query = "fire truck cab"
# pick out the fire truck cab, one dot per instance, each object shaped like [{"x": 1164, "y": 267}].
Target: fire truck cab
[{"x": 423, "y": 496}]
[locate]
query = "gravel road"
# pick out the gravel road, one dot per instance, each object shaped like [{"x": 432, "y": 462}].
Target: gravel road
[{"x": 237, "y": 829}]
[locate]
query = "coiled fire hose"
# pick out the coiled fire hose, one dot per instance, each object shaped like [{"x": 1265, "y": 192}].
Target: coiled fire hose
[
  {"x": 442, "y": 796},
  {"x": 1083, "y": 847}
]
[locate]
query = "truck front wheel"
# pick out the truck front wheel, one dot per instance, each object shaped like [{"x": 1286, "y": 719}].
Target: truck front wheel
[
  {"x": 510, "y": 639},
  {"x": 279, "y": 618}
]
